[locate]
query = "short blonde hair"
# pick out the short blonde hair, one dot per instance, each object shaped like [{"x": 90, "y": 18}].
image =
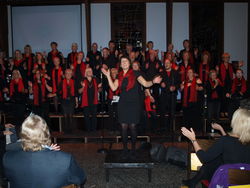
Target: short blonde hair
[
  {"x": 241, "y": 125},
  {"x": 34, "y": 133}
]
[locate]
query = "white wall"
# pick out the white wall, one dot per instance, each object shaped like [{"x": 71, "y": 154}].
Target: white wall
[
  {"x": 180, "y": 30},
  {"x": 84, "y": 36},
  {"x": 40, "y": 25},
  {"x": 236, "y": 31},
  {"x": 100, "y": 24},
  {"x": 156, "y": 25}
]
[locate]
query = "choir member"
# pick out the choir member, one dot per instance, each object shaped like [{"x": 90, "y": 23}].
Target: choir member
[
  {"x": 72, "y": 55},
  {"x": 129, "y": 105},
  {"x": 152, "y": 67},
  {"x": 40, "y": 63},
  {"x": 185, "y": 66},
  {"x": 171, "y": 57},
  {"x": 112, "y": 103},
  {"x": 106, "y": 59},
  {"x": 132, "y": 56},
  {"x": 17, "y": 97},
  {"x": 113, "y": 52},
  {"x": 40, "y": 89},
  {"x": 150, "y": 46},
  {"x": 29, "y": 59},
  {"x": 94, "y": 59},
  {"x": 20, "y": 64},
  {"x": 52, "y": 54},
  {"x": 128, "y": 49},
  {"x": 187, "y": 48},
  {"x": 69, "y": 101},
  {"x": 213, "y": 91},
  {"x": 191, "y": 109},
  {"x": 204, "y": 66},
  {"x": 169, "y": 87},
  {"x": 89, "y": 89},
  {"x": 2, "y": 68},
  {"x": 56, "y": 78},
  {"x": 79, "y": 68},
  {"x": 226, "y": 75},
  {"x": 238, "y": 92}
]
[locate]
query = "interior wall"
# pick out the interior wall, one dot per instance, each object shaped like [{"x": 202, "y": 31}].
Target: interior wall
[
  {"x": 156, "y": 25},
  {"x": 236, "y": 32},
  {"x": 100, "y": 24},
  {"x": 180, "y": 28}
]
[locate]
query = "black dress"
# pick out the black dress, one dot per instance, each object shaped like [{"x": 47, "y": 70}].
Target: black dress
[{"x": 129, "y": 105}]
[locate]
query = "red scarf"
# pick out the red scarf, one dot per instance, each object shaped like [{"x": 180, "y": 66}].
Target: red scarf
[
  {"x": 36, "y": 90},
  {"x": 184, "y": 70},
  {"x": 193, "y": 93},
  {"x": 65, "y": 90},
  {"x": 18, "y": 62},
  {"x": 214, "y": 94},
  {"x": 59, "y": 79},
  {"x": 237, "y": 82},
  {"x": 130, "y": 76},
  {"x": 201, "y": 72},
  {"x": 85, "y": 93},
  {"x": 54, "y": 53},
  {"x": 20, "y": 86},
  {"x": 30, "y": 63},
  {"x": 82, "y": 67},
  {"x": 148, "y": 107},
  {"x": 223, "y": 72}
]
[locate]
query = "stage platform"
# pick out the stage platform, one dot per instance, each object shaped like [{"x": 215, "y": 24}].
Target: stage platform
[{"x": 140, "y": 160}]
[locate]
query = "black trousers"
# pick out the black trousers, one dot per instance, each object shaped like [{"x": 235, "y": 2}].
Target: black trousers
[
  {"x": 167, "y": 106},
  {"x": 192, "y": 116},
  {"x": 43, "y": 111},
  {"x": 90, "y": 119},
  {"x": 213, "y": 110},
  {"x": 112, "y": 111},
  {"x": 68, "y": 106}
]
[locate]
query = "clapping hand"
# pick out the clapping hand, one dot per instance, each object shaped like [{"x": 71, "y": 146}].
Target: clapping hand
[
  {"x": 55, "y": 147},
  {"x": 190, "y": 134},
  {"x": 106, "y": 72},
  {"x": 9, "y": 125}
]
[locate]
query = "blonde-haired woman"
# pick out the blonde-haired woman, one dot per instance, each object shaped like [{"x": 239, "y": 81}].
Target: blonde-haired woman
[
  {"x": 36, "y": 165},
  {"x": 229, "y": 149}
]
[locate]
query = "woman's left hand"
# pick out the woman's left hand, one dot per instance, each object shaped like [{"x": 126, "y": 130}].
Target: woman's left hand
[
  {"x": 190, "y": 134},
  {"x": 55, "y": 147}
]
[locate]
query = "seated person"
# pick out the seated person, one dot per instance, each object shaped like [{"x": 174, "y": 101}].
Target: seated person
[
  {"x": 231, "y": 148},
  {"x": 36, "y": 165}
]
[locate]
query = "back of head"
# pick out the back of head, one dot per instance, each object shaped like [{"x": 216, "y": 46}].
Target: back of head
[
  {"x": 241, "y": 125},
  {"x": 34, "y": 133}
]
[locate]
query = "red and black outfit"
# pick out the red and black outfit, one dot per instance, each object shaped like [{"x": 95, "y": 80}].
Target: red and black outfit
[
  {"x": 79, "y": 72},
  {"x": 95, "y": 59},
  {"x": 71, "y": 58},
  {"x": 56, "y": 78},
  {"x": 68, "y": 94},
  {"x": 89, "y": 103},
  {"x": 112, "y": 109},
  {"x": 40, "y": 100},
  {"x": 226, "y": 77},
  {"x": 191, "y": 108},
  {"x": 238, "y": 92},
  {"x": 213, "y": 99},
  {"x": 183, "y": 68},
  {"x": 51, "y": 55},
  {"x": 204, "y": 72},
  {"x": 18, "y": 99},
  {"x": 29, "y": 59}
]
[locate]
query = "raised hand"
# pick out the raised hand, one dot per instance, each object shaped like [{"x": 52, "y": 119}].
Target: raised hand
[
  {"x": 106, "y": 72},
  {"x": 190, "y": 134},
  {"x": 55, "y": 147}
]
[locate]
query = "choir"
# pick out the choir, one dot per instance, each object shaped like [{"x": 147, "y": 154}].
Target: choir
[{"x": 77, "y": 82}]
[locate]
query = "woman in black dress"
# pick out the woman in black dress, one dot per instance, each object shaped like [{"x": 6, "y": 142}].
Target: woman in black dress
[{"x": 129, "y": 105}]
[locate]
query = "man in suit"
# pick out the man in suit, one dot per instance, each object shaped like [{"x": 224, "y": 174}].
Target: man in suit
[{"x": 36, "y": 165}]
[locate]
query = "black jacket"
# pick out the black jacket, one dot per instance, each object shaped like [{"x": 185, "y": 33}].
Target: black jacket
[{"x": 42, "y": 169}]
